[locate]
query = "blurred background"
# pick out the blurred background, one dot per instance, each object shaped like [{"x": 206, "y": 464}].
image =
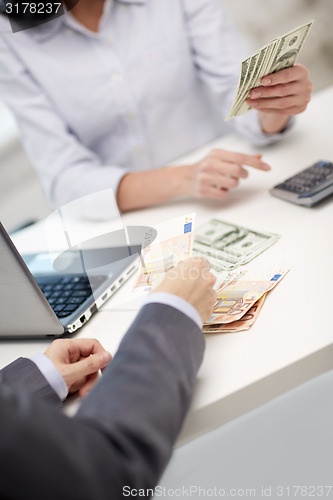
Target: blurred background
[
  {"x": 259, "y": 21},
  {"x": 21, "y": 198}
]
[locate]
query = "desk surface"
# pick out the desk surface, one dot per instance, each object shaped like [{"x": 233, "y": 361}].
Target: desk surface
[{"x": 292, "y": 340}]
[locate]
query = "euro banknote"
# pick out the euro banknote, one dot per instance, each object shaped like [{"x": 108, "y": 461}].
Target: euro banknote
[
  {"x": 239, "y": 325},
  {"x": 239, "y": 291},
  {"x": 173, "y": 244}
]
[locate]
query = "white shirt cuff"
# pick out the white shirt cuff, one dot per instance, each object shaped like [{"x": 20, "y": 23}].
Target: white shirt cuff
[
  {"x": 169, "y": 299},
  {"x": 52, "y": 375}
]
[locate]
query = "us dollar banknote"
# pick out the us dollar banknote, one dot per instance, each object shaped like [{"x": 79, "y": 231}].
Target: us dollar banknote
[
  {"x": 228, "y": 246},
  {"x": 280, "y": 53}
]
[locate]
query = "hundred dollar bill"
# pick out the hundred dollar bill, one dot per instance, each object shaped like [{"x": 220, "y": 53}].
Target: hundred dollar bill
[
  {"x": 174, "y": 243},
  {"x": 228, "y": 246},
  {"x": 240, "y": 325},
  {"x": 254, "y": 79},
  {"x": 255, "y": 73},
  {"x": 278, "y": 54},
  {"x": 240, "y": 290},
  {"x": 289, "y": 47}
]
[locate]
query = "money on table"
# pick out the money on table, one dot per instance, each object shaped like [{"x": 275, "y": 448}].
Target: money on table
[
  {"x": 239, "y": 325},
  {"x": 173, "y": 244},
  {"x": 240, "y": 290},
  {"x": 228, "y": 246},
  {"x": 280, "y": 53}
]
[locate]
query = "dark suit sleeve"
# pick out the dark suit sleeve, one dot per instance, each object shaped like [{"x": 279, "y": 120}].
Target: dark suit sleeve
[
  {"x": 125, "y": 429},
  {"x": 24, "y": 373}
]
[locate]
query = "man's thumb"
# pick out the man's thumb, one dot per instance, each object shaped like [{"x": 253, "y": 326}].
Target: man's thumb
[{"x": 93, "y": 363}]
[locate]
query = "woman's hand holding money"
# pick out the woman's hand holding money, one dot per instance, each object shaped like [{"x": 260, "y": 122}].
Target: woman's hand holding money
[{"x": 282, "y": 94}]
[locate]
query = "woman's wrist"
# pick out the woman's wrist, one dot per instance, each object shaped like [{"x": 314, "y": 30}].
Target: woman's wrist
[
  {"x": 273, "y": 124},
  {"x": 143, "y": 189},
  {"x": 181, "y": 179}
]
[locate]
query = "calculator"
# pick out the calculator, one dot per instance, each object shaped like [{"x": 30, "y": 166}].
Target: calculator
[{"x": 309, "y": 186}]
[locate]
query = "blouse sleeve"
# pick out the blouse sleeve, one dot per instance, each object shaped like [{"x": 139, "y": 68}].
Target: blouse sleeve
[{"x": 67, "y": 170}]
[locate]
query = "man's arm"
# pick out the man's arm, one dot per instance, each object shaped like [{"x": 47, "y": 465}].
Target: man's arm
[
  {"x": 65, "y": 159},
  {"x": 24, "y": 374},
  {"x": 67, "y": 366},
  {"x": 125, "y": 429}
]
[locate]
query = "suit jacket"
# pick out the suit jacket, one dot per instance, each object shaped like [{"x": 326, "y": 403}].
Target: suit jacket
[{"x": 125, "y": 428}]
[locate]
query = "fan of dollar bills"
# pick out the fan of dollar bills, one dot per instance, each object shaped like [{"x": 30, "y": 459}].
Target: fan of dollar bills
[{"x": 280, "y": 53}]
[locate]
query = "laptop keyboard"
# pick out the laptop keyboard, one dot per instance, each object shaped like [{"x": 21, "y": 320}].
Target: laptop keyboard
[{"x": 66, "y": 294}]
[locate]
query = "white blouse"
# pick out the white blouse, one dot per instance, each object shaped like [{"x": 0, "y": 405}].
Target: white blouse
[{"x": 155, "y": 82}]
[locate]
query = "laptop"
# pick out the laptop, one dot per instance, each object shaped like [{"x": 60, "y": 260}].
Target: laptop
[{"x": 46, "y": 295}]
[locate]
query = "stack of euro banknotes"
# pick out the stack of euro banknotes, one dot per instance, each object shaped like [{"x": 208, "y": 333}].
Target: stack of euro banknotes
[
  {"x": 240, "y": 292},
  {"x": 240, "y": 298}
]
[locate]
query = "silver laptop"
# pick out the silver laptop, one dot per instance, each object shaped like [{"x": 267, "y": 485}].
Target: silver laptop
[{"x": 45, "y": 295}]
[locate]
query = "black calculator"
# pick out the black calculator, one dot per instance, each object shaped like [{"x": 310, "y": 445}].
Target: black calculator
[{"x": 309, "y": 186}]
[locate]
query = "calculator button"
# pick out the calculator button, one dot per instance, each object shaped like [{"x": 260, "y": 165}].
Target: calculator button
[
  {"x": 323, "y": 163},
  {"x": 293, "y": 188}
]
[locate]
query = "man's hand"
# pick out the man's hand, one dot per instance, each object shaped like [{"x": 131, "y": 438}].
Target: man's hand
[
  {"x": 192, "y": 280},
  {"x": 220, "y": 171},
  {"x": 78, "y": 362},
  {"x": 282, "y": 94}
]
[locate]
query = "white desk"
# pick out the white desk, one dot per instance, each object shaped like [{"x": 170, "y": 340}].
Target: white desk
[{"x": 292, "y": 340}]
